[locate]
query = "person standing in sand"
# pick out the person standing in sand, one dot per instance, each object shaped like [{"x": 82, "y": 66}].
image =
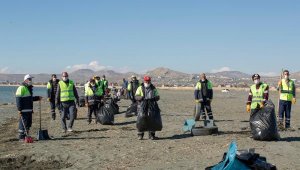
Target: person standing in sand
[
  {"x": 51, "y": 89},
  {"x": 24, "y": 102},
  {"x": 204, "y": 95},
  {"x": 258, "y": 95},
  {"x": 65, "y": 96}
]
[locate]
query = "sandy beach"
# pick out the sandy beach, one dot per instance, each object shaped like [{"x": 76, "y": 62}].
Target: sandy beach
[{"x": 96, "y": 146}]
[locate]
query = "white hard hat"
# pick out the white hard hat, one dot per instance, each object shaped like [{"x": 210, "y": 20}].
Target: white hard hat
[{"x": 28, "y": 76}]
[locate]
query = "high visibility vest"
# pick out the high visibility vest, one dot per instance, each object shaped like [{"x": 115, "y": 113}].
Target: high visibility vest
[
  {"x": 140, "y": 91},
  {"x": 66, "y": 92},
  {"x": 257, "y": 95},
  {"x": 24, "y": 93},
  {"x": 89, "y": 91},
  {"x": 287, "y": 90},
  {"x": 209, "y": 85}
]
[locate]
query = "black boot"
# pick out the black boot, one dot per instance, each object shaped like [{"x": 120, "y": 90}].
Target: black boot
[
  {"x": 152, "y": 136},
  {"x": 140, "y": 136}
]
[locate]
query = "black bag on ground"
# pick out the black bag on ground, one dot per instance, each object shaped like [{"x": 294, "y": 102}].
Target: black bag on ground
[
  {"x": 263, "y": 123},
  {"x": 105, "y": 116},
  {"x": 149, "y": 118},
  {"x": 132, "y": 110},
  {"x": 113, "y": 106}
]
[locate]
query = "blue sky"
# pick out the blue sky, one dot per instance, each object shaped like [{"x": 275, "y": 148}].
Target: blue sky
[{"x": 137, "y": 35}]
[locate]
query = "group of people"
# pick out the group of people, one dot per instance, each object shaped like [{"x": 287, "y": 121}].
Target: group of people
[
  {"x": 259, "y": 94},
  {"x": 62, "y": 94}
]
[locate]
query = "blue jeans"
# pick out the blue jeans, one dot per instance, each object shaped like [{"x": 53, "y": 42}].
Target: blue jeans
[
  {"x": 285, "y": 108},
  {"x": 27, "y": 119},
  {"x": 68, "y": 108}
]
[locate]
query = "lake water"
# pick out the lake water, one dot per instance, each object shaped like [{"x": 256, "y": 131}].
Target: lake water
[{"x": 7, "y": 93}]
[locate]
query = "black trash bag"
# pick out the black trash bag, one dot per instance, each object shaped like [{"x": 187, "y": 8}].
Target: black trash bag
[
  {"x": 81, "y": 101},
  {"x": 113, "y": 106},
  {"x": 132, "y": 110},
  {"x": 263, "y": 123},
  {"x": 254, "y": 160},
  {"x": 105, "y": 116},
  {"x": 149, "y": 118}
]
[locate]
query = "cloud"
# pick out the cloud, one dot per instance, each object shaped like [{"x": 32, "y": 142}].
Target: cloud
[
  {"x": 95, "y": 66},
  {"x": 269, "y": 74},
  {"x": 220, "y": 69},
  {"x": 4, "y": 70}
]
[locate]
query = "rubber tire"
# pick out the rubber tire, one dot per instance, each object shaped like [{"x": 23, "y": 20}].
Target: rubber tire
[{"x": 201, "y": 131}]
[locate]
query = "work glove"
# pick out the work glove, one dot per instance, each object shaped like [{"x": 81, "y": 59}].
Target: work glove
[
  {"x": 48, "y": 99},
  {"x": 20, "y": 113},
  {"x": 294, "y": 101},
  {"x": 197, "y": 101},
  {"x": 262, "y": 105},
  {"x": 248, "y": 108},
  {"x": 77, "y": 103}
]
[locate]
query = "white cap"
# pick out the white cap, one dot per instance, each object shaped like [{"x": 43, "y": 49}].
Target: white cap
[{"x": 27, "y": 76}]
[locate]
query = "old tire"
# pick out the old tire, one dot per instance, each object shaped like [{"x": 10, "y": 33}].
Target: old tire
[{"x": 203, "y": 131}]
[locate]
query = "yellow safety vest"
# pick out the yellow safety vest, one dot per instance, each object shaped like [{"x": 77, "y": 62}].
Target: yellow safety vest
[{"x": 66, "y": 92}]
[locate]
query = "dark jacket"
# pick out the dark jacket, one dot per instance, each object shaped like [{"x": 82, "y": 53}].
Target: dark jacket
[
  {"x": 26, "y": 103},
  {"x": 205, "y": 92},
  {"x": 53, "y": 89}
]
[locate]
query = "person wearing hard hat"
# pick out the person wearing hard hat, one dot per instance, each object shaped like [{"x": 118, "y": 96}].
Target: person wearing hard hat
[
  {"x": 132, "y": 87},
  {"x": 51, "y": 89},
  {"x": 24, "y": 102},
  {"x": 93, "y": 94},
  {"x": 287, "y": 90},
  {"x": 65, "y": 96},
  {"x": 258, "y": 95},
  {"x": 204, "y": 95},
  {"x": 147, "y": 92}
]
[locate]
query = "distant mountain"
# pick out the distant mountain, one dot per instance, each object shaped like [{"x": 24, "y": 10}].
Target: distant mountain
[
  {"x": 231, "y": 74},
  {"x": 166, "y": 73},
  {"x": 160, "y": 76}
]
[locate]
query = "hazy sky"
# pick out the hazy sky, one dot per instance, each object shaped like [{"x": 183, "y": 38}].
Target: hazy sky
[{"x": 137, "y": 35}]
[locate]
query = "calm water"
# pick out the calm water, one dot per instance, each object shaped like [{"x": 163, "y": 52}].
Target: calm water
[{"x": 7, "y": 93}]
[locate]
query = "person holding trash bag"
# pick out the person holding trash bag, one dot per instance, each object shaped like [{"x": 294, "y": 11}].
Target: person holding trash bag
[
  {"x": 93, "y": 95},
  {"x": 204, "y": 95},
  {"x": 65, "y": 97},
  {"x": 51, "y": 89},
  {"x": 149, "y": 118},
  {"x": 258, "y": 95},
  {"x": 132, "y": 87},
  {"x": 287, "y": 89},
  {"x": 24, "y": 102}
]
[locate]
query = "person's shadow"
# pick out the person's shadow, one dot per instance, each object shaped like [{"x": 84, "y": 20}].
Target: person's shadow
[
  {"x": 290, "y": 139},
  {"x": 176, "y": 137}
]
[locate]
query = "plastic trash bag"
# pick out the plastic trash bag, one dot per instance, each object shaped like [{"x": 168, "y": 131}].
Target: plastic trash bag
[
  {"x": 189, "y": 124},
  {"x": 229, "y": 161},
  {"x": 105, "y": 116},
  {"x": 113, "y": 106},
  {"x": 263, "y": 123},
  {"x": 149, "y": 118},
  {"x": 132, "y": 110}
]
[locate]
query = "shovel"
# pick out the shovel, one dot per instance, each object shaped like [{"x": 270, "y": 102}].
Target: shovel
[
  {"x": 42, "y": 134},
  {"x": 28, "y": 139}
]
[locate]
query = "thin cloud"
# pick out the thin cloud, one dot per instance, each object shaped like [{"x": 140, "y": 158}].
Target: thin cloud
[
  {"x": 221, "y": 69},
  {"x": 95, "y": 66},
  {"x": 4, "y": 70}
]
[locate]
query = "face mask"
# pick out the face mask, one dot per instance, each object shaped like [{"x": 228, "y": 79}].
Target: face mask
[
  {"x": 65, "y": 78},
  {"x": 256, "y": 81},
  {"x": 29, "y": 83},
  {"x": 146, "y": 85},
  {"x": 93, "y": 84},
  {"x": 286, "y": 77}
]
